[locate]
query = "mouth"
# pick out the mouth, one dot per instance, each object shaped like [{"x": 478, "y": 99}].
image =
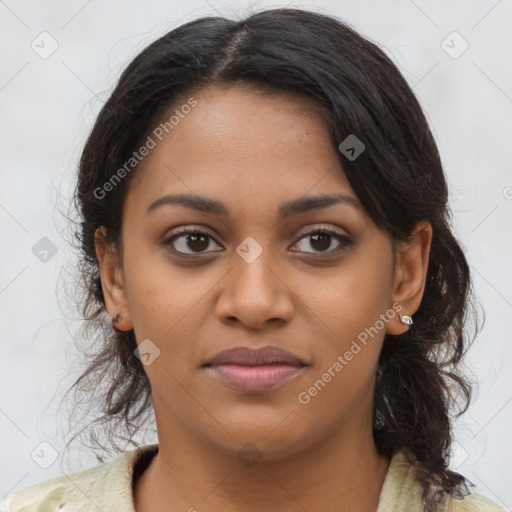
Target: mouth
[{"x": 253, "y": 371}]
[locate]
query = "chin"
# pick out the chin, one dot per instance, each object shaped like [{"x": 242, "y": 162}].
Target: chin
[{"x": 269, "y": 437}]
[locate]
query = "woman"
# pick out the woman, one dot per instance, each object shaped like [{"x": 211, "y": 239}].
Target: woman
[{"x": 265, "y": 221}]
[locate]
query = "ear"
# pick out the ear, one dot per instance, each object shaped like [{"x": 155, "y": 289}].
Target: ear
[
  {"x": 410, "y": 274},
  {"x": 112, "y": 280}
]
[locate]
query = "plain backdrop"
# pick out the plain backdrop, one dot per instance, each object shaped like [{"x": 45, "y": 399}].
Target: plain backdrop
[{"x": 456, "y": 56}]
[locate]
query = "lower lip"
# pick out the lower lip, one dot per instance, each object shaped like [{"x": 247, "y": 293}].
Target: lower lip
[{"x": 255, "y": 378}]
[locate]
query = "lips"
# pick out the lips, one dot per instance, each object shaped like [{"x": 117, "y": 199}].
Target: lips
[
  {"x": 255, "y": 370},
  {"x": 255, "y": 357}
]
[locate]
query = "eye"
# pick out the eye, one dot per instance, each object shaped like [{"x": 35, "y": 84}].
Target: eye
[
  {"x": 192, "y": 239},
  {"x": 321, "y": 240}
]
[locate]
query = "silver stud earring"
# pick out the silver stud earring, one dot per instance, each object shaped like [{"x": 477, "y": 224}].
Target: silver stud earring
[{"x": 405, "y": 319}]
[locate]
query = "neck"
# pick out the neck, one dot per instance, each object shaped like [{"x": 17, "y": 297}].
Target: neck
[{"x": 342, "y": 472}]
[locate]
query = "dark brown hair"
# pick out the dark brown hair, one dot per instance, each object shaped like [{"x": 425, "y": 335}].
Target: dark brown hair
[{"x": 399, "y": 179}]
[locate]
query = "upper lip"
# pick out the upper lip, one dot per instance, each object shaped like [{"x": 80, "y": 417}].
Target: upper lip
[{"x": 255, "y": 357}]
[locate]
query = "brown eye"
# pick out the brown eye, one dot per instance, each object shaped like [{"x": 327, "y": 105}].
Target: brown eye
[
  {"x": 189, "y": 241},
  {"x": 322, "y": 240}
]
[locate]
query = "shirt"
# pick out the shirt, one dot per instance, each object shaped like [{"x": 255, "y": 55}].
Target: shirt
[{"x": 108, "y": 487}]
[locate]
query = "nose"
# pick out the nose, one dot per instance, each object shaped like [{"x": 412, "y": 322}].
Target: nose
[{"x": 255, "y": 294}]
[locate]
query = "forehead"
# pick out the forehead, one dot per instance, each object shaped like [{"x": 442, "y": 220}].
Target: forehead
[{"x": 241, "y": 142}]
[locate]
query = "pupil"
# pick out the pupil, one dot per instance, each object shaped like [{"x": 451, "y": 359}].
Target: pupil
[
  {"x": 194, "y": 239},
  {"x": 324, "y": 240}
]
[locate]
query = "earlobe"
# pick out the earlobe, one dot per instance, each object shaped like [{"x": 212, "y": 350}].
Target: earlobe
[
  {"x": 410, "y": 276},
  {"x": 112, "y": 281}
]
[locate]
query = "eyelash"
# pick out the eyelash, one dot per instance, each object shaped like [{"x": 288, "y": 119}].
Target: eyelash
[{"x": 179, "y": 232}]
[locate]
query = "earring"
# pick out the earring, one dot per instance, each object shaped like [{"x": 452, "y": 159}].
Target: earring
[
  {"x": 405, "y": 319},
  {"x": 116, "y": 318}
]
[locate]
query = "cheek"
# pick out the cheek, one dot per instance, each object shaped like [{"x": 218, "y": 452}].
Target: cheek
[
  {"x": 347, "y": 317},
  {"x": 165, "y": 301},
  {"x": 352, "y": 298},
  {"x": 342, "y": 377}
]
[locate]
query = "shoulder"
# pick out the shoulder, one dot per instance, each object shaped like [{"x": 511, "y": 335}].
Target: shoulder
[
  {"x": 99, "y": 487},
  {"x": 401, "y": 491},
  {"x": 55, "y": 494},
  {"x": 472, "y": 503}
]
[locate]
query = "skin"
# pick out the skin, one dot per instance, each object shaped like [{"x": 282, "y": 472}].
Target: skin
[{"x": 254, "y": 152}]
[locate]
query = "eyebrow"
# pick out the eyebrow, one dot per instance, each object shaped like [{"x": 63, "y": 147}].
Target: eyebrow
[{"x": 294, "y": 207}]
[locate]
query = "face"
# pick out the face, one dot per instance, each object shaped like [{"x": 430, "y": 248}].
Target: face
[{"x": 258, "y": 272}]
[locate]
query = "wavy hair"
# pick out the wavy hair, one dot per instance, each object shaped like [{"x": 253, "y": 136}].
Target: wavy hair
[{"x": 399, "y": 179}]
